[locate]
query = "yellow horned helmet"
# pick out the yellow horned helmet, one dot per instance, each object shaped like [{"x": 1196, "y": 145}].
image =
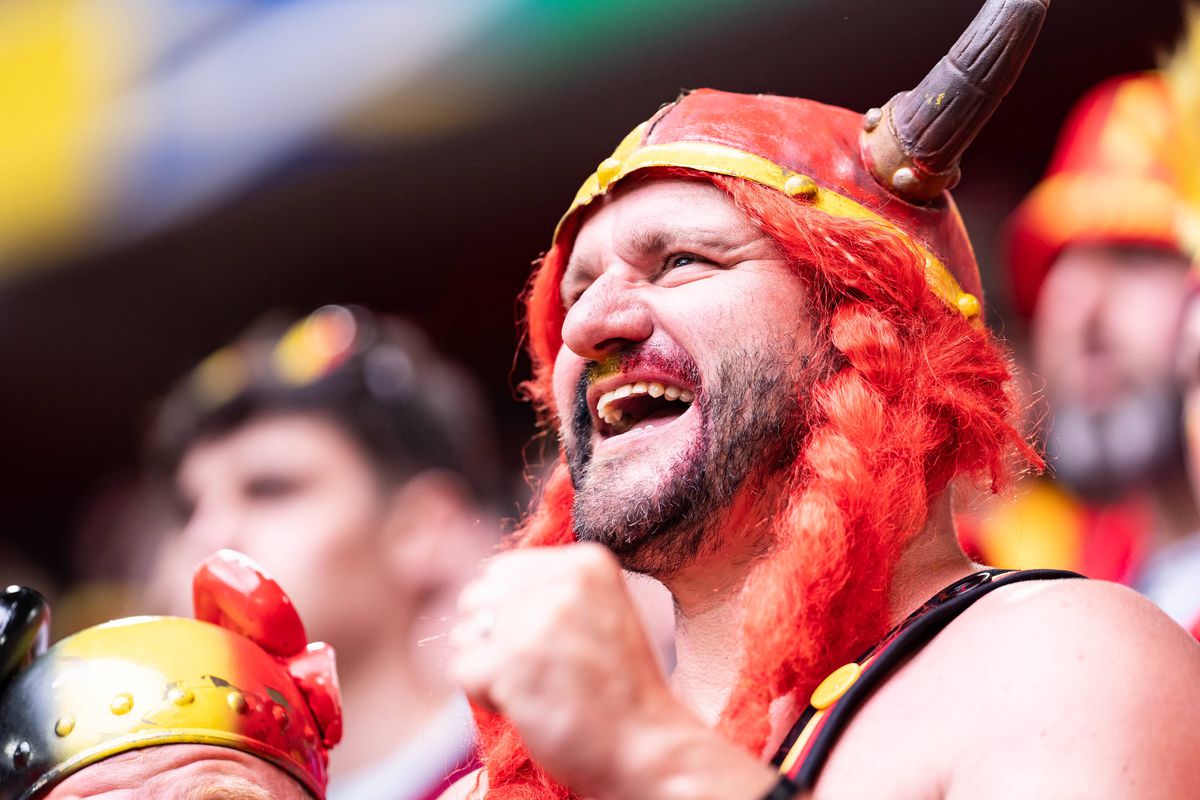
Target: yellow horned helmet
[{"x": 240, "y": 675}]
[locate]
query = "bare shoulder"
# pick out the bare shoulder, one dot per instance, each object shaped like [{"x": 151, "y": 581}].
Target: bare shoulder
[
  {"x": 468, "y": 787},
  {"x": 1092, "y": 628},
  {"x": 1080, "y": 683}
]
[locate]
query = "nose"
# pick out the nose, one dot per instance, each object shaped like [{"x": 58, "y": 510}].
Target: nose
[
  {"x": 212, "y": 526},
  {"x": 1093, "y": 316},
  {"x": 611, "y": 314}
]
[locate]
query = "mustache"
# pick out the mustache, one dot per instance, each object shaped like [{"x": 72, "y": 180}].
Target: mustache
[{"x": 672, "y": 361}]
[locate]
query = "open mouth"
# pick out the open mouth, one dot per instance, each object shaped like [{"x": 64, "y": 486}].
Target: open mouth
[{"x": 640, "y": 405}]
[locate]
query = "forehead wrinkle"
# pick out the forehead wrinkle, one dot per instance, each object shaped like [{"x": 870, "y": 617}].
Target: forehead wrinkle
[{"x": 646, "y": 239}]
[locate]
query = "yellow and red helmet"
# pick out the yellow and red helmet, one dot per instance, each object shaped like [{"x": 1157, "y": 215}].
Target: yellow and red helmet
[
  {"x": 1109, "y": 182},
  {"x": 240, "y": 675},
  {"x": 892, "y": 167}
]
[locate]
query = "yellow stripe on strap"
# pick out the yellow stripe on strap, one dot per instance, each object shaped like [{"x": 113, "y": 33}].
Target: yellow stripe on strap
[{"x": 794, "y": 754}]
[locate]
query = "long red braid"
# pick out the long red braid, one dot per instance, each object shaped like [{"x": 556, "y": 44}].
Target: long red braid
[{"x": 916, "y": 397}]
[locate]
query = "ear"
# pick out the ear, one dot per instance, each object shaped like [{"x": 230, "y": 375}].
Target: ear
[
  {"x": 231, "y": 590},
  {"x": 427, "y": 519},
  {"x": 24, "y": 630}
]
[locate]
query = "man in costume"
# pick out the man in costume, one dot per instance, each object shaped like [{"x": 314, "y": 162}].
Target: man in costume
[
  {"x": 357, "y": 464},
  {"x": 233, "y": 704},
  {"x": 1098, "y": 268},
  {"x": 758, "y": 333}
]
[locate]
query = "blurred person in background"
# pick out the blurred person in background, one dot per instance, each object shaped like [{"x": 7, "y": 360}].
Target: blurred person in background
[
  {"x": 236, "y": 703},
  {"x": 1098, "y": 271},
  {"x": 358, "y": 466}
]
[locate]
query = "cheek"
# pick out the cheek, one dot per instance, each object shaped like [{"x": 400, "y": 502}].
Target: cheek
[
  {"x": 1054, "y": 333},
  {"x": 1147, "y": 319},
  {"x": 747, "y": 312},
  {"x": 1069, "y": 297},
  {"x": 316, "y": 527},
  {"x": 567, "y": 369},
  {"x": 324, "y": 550}
]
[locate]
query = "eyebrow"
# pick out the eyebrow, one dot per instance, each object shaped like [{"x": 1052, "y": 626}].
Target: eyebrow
[
  {"x": 658, "y": 239},
  {"x": 228, "y": 787},
  {"x": 649, "y": 240}
]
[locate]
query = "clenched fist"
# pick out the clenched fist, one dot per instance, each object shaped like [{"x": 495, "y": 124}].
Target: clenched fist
[{"x": 550, "y": 638}]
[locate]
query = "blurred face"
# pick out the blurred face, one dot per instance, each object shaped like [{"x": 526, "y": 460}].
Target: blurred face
[
  {"x": 1103, "y": 333},
  {"x": 295, "y": 493},
  {"x": 683, "y": 347},
  {"x": 180, "y": 772}
]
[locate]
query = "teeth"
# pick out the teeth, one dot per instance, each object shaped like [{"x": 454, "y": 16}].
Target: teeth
[
  {"x": 652, "y": 388},
  {"x": 613, "y": 417}
]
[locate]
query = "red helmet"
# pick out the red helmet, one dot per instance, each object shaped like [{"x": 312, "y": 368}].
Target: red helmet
[
  {"x": 1109, "y": 182},
  {"x": 891, "y": 166}
]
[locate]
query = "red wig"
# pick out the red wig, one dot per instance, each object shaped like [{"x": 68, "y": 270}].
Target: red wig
[{"x": 916, "y": 397}]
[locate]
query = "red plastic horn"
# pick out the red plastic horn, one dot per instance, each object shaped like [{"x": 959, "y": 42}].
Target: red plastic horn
[
  {"x": 315, "y": 672},
  {"x": 232, "y": 591}
]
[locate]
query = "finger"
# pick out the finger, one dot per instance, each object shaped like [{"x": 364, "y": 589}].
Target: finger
[
  {"x": 474, "y": 630},
  {"x": 474, "y": 673},
  {"x": 484, "y": 593}
]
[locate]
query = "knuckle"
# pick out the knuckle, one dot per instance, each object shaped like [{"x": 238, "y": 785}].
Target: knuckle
[
  {"x": 595, "y": 567},
  {"x": 468, "y": 598},
  {"x": 595, "y": 557}
]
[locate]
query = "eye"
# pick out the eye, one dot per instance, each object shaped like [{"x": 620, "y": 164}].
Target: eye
[
  {"x": 572, "y": 288},
  {"x": 270, "y": 487},
  {"x": 182, "y": 507},
  {"x": 676, "y": 260},
  {"x": 571, "y": 298}
]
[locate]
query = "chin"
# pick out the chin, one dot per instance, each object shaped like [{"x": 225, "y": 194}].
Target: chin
[{"x": 656, "y": 515}]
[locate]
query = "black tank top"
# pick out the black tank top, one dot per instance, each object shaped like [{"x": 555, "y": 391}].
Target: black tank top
[{"x": 807, "y": 746}]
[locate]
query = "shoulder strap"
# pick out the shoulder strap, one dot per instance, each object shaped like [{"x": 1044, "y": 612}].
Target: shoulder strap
[{"x": 837, "y": 699}]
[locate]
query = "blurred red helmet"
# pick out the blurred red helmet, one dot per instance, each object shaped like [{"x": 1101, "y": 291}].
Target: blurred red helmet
[{"x": 1109, "y": 182}]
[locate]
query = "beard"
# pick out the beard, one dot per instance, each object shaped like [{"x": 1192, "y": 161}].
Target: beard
[
  {"x": 1103, "y": 454},
  {"x": 750, "y": 428}
]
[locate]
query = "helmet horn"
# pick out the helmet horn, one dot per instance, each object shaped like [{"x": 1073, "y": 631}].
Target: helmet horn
[{"x": 913, "y": 144}]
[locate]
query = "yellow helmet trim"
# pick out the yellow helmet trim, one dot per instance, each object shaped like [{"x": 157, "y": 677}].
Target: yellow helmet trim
[{"x": 631, "y": 156}]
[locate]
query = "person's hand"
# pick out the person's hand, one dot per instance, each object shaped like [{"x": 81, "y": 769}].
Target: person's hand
[{"x": 550, "y": 639}]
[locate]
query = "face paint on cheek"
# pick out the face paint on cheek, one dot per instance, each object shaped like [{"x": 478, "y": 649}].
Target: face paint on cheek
[{"x": 597, "y": 371}]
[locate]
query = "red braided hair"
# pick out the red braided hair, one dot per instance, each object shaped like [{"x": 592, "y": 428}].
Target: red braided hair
[{"x": 917, "y": 396}]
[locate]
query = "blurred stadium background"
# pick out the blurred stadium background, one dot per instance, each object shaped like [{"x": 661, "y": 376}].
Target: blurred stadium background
[{"x": 169, "y": 170}]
